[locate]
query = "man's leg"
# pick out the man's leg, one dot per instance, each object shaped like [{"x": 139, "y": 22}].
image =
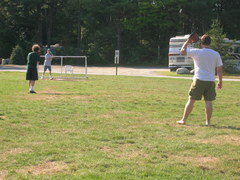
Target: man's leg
[
  {"x": 188, "y": 109},
  {"x": 208, "y": 111}
]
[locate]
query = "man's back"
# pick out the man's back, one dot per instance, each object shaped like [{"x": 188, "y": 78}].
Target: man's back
[{"x": 205, "y": 62}]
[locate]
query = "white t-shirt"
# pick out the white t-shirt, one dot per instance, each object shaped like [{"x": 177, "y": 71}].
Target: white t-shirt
[
  {"x": 205, "y": 62},
  {"x": 48, "y": 60}
]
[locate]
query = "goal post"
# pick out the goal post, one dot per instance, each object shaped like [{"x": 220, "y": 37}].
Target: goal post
[{"x": 66, "y": 69}]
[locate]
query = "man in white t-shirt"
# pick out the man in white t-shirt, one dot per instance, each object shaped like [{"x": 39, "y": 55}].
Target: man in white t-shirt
[
  {"x": 206, "y": 63},
  {"x": 47, "y": 64}
]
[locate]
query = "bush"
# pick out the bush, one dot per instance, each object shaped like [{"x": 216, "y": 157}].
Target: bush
[
  {"x": 217, "y": 35},
  {"x": 232, "y": 66},
  {"x": 17, "y": 56}
]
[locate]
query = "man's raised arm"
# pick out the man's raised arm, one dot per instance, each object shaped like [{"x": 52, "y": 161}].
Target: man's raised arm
[{"x": 183, "y": 50}]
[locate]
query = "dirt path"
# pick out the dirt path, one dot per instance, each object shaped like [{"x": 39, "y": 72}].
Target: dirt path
[
  {"x": 127, "y": 71},
  {"x": 130, "y": 71}
]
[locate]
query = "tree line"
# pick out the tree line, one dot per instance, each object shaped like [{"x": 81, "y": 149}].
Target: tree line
[{"x": 140, "y": 29}]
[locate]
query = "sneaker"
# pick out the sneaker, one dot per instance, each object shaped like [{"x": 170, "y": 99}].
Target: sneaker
[
  {"x": 42, "y": 78},
  {"x": 51, "y": 78},
  {"x": 32, "y": 92}
]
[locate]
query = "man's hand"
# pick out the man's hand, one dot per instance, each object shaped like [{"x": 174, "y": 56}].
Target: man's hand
[
  {"x": 219, "y": 85},
  {"x": 220, "y": 74},
  {"x": 194, "y": 37}
]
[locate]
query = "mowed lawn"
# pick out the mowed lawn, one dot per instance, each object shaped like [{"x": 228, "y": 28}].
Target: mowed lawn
[{"x": 115, "y": 127}]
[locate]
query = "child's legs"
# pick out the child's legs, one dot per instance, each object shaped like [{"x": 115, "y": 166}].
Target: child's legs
[
  {"x": 31, "y": 83},
  {"x": 50, "y": 70},
  {"x": 44, "y": 70}
]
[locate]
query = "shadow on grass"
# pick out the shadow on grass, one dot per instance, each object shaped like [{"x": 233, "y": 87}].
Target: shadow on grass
[
  {"x": 60, "y": 94},
  {"x": 225, "y": 127},
  {"x": 214, "y": 126}
]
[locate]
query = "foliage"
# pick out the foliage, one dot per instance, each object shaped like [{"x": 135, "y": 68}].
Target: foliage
[
  {"x": 17, "y": 56},
  {"x": 229, "y": 15},
  {"x": 217, "y": 35},
  {"x": 232, "y": 66},
  {"x": 139, "y": 29}
]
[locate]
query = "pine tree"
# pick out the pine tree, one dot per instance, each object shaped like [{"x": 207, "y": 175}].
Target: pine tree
[
  {"x": 217, "y": 36},
  {"x": 17, "y": 56}
]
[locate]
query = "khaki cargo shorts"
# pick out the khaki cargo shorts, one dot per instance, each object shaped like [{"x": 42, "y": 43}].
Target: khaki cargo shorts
[{"x": 202, "y": 88}]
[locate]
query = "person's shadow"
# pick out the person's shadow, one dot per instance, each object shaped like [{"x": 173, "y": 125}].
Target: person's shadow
[{"x": 225, "y": 127}]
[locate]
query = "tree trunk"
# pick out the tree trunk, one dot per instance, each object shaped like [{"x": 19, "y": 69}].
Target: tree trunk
[
  {"x": 118, "y": 36},
  {"x": 49, "y": 22},
  {"x": 39, "y": 35}
]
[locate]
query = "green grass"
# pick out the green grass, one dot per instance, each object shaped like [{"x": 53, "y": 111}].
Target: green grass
[
  {"x": 173, "y": 73},
  {"x": 115, "y": 127}
]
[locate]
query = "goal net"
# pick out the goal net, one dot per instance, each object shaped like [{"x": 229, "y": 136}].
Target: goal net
[{"x": 69, "y": 67}]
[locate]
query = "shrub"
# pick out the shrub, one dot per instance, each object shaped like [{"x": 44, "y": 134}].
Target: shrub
[
  {"x": 17, "y": 56},
  {"x": 217, "y": 35},
  {"x": 232, "y": 66}
]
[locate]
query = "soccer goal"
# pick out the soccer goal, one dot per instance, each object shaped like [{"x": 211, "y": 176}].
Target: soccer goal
[{"x": 67, "y": 68}]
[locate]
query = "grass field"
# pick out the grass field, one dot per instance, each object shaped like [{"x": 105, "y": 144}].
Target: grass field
[
  {"x": 115, "y": 127},
  {"x": 225, "y": 75}
]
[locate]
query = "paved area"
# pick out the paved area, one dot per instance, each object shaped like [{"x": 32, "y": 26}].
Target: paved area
[{"x": 127, "y": 71}]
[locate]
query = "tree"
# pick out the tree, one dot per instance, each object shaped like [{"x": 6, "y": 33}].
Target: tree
[
  {"x": 153, "y": 24},
  {"x": 196, "y": 15},
  {"x": 141, "y": 29},
  {"x": 217, "y": 35},
  {"x": 229, "y": 14},
  {"x": 17, "y": 56}
]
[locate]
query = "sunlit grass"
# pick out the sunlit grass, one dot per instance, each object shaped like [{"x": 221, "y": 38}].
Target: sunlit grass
[
  {"x": 169, "y": 73},
  {"x": 115, "y": 127}
]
